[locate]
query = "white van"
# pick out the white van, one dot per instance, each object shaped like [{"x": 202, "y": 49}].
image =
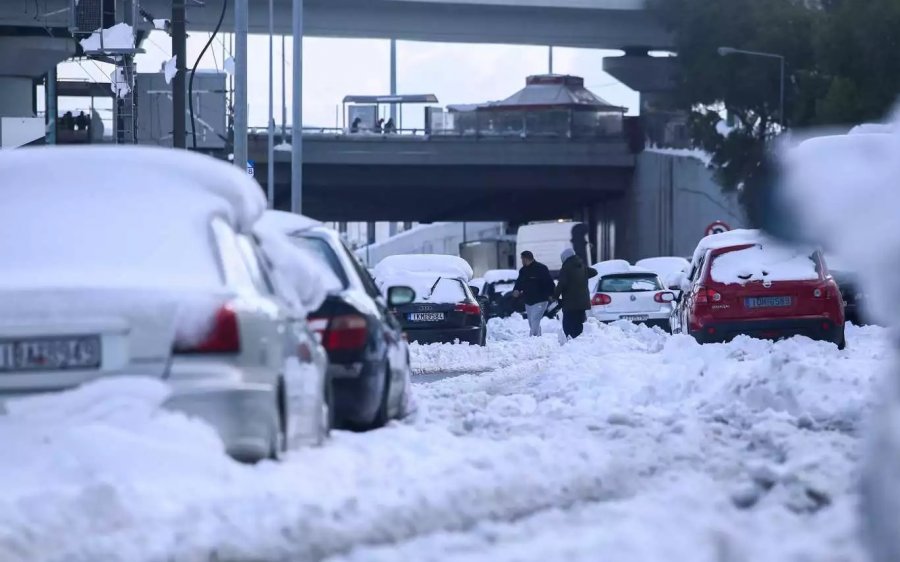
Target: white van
[{"x": 547, "y": 240}]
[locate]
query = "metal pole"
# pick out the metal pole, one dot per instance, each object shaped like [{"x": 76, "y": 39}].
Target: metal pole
[
  {"x": 179, "y": 88},
  {"x": 550, "y": 55},
  {"x": 283, "y": 93},
  {"x": 394, "y": 79},
  {"x": 52, "y": 111},
  {"x": 297, "y": 111},
  {"x": 240, "y": 83},
  {"x": 270, "y": 160},
  {"x": 781, "y": 113}
]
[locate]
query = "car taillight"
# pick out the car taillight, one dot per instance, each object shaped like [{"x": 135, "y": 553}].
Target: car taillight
[
  {"x": 346, "y": 333},
  {"x": 600, "y": 299},
  {"x": 705, "y": 296},
  {"x": 223, "y": 337},
  {"x": 468, "y": 308},
  {"x": 664, "y": 297},
  {"x": 826, "y": 291}
]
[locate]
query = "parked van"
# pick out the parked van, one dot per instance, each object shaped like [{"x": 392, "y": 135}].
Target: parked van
[{"x": 547, "y": 240}]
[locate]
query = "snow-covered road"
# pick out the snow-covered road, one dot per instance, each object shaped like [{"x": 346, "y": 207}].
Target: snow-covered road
[{"x": 625, "y": 445}]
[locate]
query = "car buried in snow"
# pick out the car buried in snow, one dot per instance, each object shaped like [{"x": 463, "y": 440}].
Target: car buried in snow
[
  {"x": 369, "y": 370},
  {"x": 444, "y": 310},
  {"x": 134, "y": 261},
  {"x": 741, "y": 282}
]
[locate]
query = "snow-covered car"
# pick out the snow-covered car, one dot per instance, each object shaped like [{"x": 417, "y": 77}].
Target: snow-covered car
[
  {"x": 669, "y": 268},
  {"x": 369, "y": 370},
  {"x": 742, "y": 282},
  {"x": 497, "y": 293},
  {"x": 141, "y": 262},
  {"x": 444, "y": 310},
  {"x": 632, "y": 295}
]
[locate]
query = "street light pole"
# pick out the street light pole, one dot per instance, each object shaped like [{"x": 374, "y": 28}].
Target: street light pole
[
  {"x": 297, "y": 111},
  {"x": 726, "y": 51},
  {"x": 270, "y": 154}
]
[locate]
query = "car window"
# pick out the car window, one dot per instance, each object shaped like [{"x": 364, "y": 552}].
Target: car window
[
  {"x": 320, "y": 249},
  {"x": 364, "y": 276},
  {"x": 629, "y": 284},
  {"x": 231, "y": 259},
  {"x": 444, "y": 290},
  {"x": 251, "y": 259}
]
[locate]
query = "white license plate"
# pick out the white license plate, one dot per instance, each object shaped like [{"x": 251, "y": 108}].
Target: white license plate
[
  {"x": 426, "y": 317},
  {"x": 768, "y": 302},
  {"x": 50, "y": 354},
  {"x": 635, "y": 317}
]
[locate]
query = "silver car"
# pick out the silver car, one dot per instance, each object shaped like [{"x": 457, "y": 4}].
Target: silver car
[{"x": 140, "y": 262}]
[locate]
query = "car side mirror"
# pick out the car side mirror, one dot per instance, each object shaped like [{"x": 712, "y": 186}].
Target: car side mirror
[
  {"x": 475, "y": 291},
  {"x": 399, "y": 296}
]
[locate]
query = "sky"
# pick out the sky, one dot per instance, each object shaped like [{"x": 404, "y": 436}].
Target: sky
[{"x": 333, "y": 68}]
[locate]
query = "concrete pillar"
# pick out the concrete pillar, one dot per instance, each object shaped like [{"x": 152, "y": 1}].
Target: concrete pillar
[
  {"x": 51, "y": 105},
  {"x": 394, "y": 78}
]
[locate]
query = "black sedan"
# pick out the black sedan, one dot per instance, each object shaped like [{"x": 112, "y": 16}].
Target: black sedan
[
  {"x": 369, "y": 367},
  {"x": 444, "y": 311}
]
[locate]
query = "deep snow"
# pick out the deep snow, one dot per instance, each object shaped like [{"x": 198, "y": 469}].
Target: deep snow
[{"x": 626, "y": 444}]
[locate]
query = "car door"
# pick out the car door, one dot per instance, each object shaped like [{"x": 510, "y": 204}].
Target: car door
[{"x": 689, "y": 296}]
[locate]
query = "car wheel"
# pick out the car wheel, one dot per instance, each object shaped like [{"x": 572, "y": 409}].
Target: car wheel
[
  {"x": 842, "y": 340},
  {"x": 383, "y": 415}
]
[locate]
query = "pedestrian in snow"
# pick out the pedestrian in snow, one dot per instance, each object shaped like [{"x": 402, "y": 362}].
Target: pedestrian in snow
[
  {"x": 354, "y": 127},
  {"x": 535, "y": 286},
  {"x": 573, "y": 292},
  {"x": 389, "y": 127},
  {"x": 379, "y": 126}
]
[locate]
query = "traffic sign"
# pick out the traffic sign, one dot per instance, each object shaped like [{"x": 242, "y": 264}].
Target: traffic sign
[
  {"x": 717, "y": 227},
  {"x": 251, "y": 168}
]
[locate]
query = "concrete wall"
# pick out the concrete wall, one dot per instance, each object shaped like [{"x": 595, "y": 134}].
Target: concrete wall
[{"x": 672, "y": 201}]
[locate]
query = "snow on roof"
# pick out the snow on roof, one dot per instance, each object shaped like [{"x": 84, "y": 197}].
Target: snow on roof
[
  {"x": 500, "y": 275},
  {"x": 611, "y": 267},
  {"x": 80, "y": 171},
  {"x": 307, "y": 278},
  {"x": 553, "y": 90},
  {"x": 287, "y": 223},
  {"x": 116, "y": 38},
  {"x": 669, "y": 268},
  {"x": 764, "y": 262},
  {"x": 429, "y": 287},
  {"x": 448, "y": 266},
  {"x": 726, "y": 239}
]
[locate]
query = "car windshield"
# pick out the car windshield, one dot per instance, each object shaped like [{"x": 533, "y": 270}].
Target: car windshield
[
  {"x": 443, "y": 290},
  {"x": 630, "y": 283}
]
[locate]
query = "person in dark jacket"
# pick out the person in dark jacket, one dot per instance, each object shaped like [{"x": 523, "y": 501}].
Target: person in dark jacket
[
  {"x": 535, "y": 287},
  {"x": 573, "y": 292}
]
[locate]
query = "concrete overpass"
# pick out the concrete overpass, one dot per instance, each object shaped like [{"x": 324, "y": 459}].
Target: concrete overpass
[
  {"x": 606, "y": 24},
  {"x": 402, "y": 178}
]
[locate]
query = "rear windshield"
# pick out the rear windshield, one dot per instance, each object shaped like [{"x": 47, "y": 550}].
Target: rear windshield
[
  {"x": 629, "y": 283},
  {"x": 445, "y": 290},
  {"x": 504, "y": 288},
  {"x": 321, "y": 250},
  {"x": 765, "y": 263}
]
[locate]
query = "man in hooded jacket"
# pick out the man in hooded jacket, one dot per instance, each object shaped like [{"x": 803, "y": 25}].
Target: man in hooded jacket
[{"x": 573, "y": 292}]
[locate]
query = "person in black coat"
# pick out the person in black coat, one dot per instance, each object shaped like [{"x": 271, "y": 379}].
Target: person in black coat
[
  {"x": 573, "y": 292},
  {"x": 535, "y": 286}
]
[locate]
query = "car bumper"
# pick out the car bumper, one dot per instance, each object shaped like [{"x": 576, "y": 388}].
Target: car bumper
[
  {"x": 244, "y": 415},
  {"x": 656, "y": 318},
  {"x": 819, "y": 328},
  {"x": 470, "y": 335}
]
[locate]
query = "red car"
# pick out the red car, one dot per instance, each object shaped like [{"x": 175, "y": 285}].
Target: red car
[{"x": 761, "y": 290}]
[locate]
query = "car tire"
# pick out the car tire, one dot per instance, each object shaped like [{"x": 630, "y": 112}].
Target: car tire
[
  {"x": 383, "y": 415},
  {"x": 842, "y": 340}
]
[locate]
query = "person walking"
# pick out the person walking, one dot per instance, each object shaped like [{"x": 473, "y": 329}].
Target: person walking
[
  {"x": 535, "y": 286},
  {"x": 573, "y": 292}
]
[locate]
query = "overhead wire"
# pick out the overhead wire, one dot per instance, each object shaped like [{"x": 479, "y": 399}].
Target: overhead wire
[{"x": 194, "y": 71}]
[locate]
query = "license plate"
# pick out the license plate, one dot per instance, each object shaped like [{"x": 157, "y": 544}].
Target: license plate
[
  {"x": 426, "y": 317},
  {"x": 635, "y": 317},
  {"x": 767, "y": 302},
  {"x": 50, "y": 354}
]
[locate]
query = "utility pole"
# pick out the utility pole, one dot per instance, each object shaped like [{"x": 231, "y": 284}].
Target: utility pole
[
  {"x": 394, "y": 79},
  {"x": 270, "y": 161},
  {"x": 241, "y": 11},
  {"x": 297, "y": 112},
  {"x": 550, "y": 56},
  {"x": 283, "y": 92},
  {"x": 52, "y": 111},
  {"x": 179, "y": 89}
]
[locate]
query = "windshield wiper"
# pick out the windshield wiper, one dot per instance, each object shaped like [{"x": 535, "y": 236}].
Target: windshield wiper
[{"x": 433, "y": 287}]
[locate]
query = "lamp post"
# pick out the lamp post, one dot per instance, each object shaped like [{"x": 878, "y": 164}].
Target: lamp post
[{"x": 726, "y": 51}]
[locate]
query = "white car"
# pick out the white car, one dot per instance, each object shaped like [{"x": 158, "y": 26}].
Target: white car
[
  {"x": 122, "y": 262},
  {"x": 634, "y": 296}
]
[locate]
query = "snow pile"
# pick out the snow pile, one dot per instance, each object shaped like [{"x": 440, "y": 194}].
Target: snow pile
[
  {"x": 308, "y": 278},
  {"x": 170, "y": 69},
  {"x": 445, "y": 265},
  {"x": 116, "y": 38},
  {"x": 771, "y": 262},
  {"x": 288, "y": 223}
]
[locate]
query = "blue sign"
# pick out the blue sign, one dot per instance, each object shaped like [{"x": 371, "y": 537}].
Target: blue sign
[{"x": 251, "y": 168}]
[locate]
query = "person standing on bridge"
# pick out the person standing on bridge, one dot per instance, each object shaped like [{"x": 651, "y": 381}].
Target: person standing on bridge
[
  {"x": 535, "y": 285},
  {"x": 573, "y": 292}
]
